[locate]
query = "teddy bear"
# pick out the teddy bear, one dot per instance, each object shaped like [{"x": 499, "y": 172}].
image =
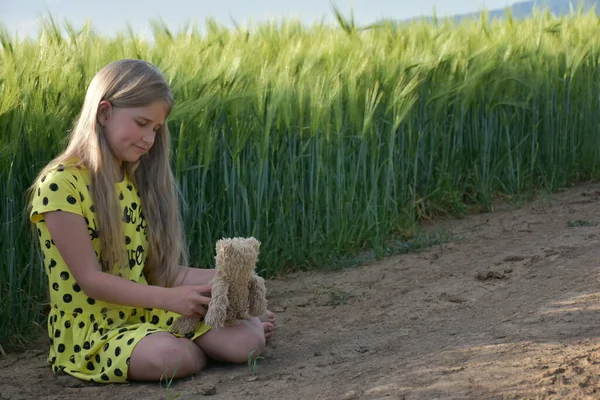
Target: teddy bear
[{"x": 237, "y": 291}]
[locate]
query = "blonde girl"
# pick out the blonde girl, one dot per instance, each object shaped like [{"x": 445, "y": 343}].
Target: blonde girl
[{"x": 109, "y": 226}]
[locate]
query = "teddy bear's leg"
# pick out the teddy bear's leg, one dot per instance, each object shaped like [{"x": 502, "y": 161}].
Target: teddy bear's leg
[
  {"x": 185, "y": 325},
  {"x": 217, "y": 308},
  {"x": 257, "y": 296}
]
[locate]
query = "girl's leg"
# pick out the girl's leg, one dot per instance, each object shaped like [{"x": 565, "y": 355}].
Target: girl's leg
[
  {"x": 163, "y": 356},
  {"x": 234, "y": 343}
]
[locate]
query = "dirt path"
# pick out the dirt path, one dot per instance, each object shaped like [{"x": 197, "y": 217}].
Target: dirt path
[{"x": 508, "y": 309}]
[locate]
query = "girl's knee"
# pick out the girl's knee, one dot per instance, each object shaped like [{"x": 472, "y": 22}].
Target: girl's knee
[
  {"x": 179, "y": 355},
  {"x": 165, "y": 357}
]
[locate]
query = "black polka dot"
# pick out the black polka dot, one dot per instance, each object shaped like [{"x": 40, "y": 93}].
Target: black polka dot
[
  {"x": 97, "y": 358},
  {"x": 91, "y": 301},
  {"x": 71, "y": 199},
  {"x": 129, "y": 187},
  {"x": 130, "y": 341},
  {"x": 134, "y": 206},
  {"x": 170, "y": 321},
  {"x": 45, "y": 201},
  {"x": 76, "y": 287},
  {"x": 86, "y": 345},
  {"x": 106, "y": 346},
  {"x": 79, "y": 311},
  {"x": 72, "y": 358},
  {"x": 118, "y": 372},
  {"x": 119, "y": 337},
  {"x": 53, "y": 187},
  {"x": 77, "y": 348},
  {"x": 39, "y": 192},
  {"x": 109, "y": 362},
  {"x": 55, "y": 318},
  {"x": 134, "y": 312},
  {"x": 48, "y": 244},
  {"x": 117, "y": 351},
  {"x": 104, "y": 377},
  {"x": 92, "y": 318},
  {"x": 96, "y": 326},
  {"x": 90, "y": 366},
  {"x": 39, "y": 232},
  {"x": 131, "y": 263},
  {"x": 57, "y": 333},
  {"x": 127, "y": 240},
  {"x": 61, "y": 348},
  {"x": 121, "y": 196},
  {"x": 104, "y": 310},
  {"x": 121, "y": 315},
  {"x": 93, "y": 208},
  {"x": 55, "y": 286},
  {"x": 81, "y": 197},
  {"x": 128, "y": 360},
  {"x": 155, "y": 319},
  {"x": 67, "y": 298},
  {"x": 143, "y": 319},
  {"x": 110, "y": 321},
  {"x": 67, "y": 324},
  {"x": 52, "y": 360},
  {"x": 64, "y": 275},
  {"x": 52, "y": 263},
  {"x": 81, "y": 325}
]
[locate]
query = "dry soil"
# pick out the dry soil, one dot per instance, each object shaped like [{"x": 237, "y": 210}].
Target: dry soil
[{"x": 508, "y": 308}]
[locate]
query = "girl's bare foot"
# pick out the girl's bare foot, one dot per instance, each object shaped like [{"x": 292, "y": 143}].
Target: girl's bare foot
[{"x": 268, "y": 320}]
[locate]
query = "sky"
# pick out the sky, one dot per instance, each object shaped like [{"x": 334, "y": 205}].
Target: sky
[{"x": 110, "y": 16}]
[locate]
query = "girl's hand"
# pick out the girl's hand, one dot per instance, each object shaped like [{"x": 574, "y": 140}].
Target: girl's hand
[{"x": 189, "y": 301}]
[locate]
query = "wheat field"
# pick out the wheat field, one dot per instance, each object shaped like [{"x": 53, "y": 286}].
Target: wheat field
[{"x": 319, "y": 140}]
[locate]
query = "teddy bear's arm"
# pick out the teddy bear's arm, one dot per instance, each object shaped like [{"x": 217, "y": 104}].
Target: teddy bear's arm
[
  {"x": 217, "y": 308},
  {"x": 257, "y": 297}
]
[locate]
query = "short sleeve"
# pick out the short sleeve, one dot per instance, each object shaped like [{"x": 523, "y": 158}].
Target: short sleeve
[{"x": 57, "y": 191}]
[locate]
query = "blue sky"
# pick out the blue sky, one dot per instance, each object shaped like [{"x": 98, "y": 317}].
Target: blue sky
[{"x": 110, "y": 16}]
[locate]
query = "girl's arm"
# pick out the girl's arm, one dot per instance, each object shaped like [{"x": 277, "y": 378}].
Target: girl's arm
[
  {"x": 70, "y": 235},
  {"x": 193, "y": 276}
]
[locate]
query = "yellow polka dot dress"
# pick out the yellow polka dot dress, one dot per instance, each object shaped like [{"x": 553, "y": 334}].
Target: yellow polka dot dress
[{"x": 91, "y": 339}]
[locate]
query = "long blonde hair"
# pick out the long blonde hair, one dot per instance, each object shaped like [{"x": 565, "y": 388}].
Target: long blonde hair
[{"x": 130, "y": 83}]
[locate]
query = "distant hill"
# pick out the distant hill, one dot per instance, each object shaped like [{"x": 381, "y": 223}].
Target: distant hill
[{"x": 525, "y": 9}]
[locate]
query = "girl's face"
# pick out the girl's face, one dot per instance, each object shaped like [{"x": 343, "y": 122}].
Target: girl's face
[{"x": 130, "y": 132}]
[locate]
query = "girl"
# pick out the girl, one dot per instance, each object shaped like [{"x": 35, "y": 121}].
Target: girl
[{"x": 108, "y": 222}]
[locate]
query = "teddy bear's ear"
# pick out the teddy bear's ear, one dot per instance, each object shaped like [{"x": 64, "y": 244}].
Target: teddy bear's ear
[
  {"x": 254, "y": 243},
  {"x": 224, "y": 245}
]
